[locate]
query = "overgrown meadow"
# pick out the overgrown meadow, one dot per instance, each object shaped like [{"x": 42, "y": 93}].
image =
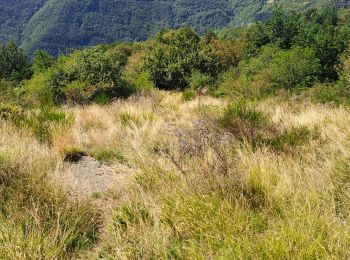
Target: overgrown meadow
[{"x": 256, "y": 168}]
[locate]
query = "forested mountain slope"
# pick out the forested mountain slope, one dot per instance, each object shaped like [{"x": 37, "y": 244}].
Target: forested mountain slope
[
  {"x": 60, "y": 24},
  {"x": 14, "y": 14}
]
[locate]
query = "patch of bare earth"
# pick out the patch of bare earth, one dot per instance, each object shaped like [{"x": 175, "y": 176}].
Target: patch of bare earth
[{"x": 87, "y": 177}]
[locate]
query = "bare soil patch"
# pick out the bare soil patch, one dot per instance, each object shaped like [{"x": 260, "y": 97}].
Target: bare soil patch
[{"x": 87, "y": 177}]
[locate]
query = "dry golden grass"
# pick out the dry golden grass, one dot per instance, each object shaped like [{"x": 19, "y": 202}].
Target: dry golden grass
[
  {"x": 37, "y": 221},
  {"x": 198, "y": 191}
]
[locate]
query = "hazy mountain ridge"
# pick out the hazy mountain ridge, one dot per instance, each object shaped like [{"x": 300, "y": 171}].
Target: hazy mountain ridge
[{"x": 60, "y": 24}]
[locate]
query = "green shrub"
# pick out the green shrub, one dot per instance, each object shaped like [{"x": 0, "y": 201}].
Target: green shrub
[
  {"x": 177, "y": 55},
  {"x": 199, "y": 80},
  {"x": 244, "y": 112},
  {"x": 188, "y": 94},
  {"x": 140, "y": 81},
  {"x": 296, "y": 67},
  {"x": 278, "y": 68},
  {"x": 81, "y": 77},
  {"x": 337, "y": 93},
  {"x": 230, "y": 84},
  {"x": 80, "y": 93},
  {"x": 294, "y": 137},
  {"x": 38, "y": 90},
  {"x": 344, "y": 70},
  {"x": 14, "y": 64},
  {"x": 244, "y": 121},
  {"x": 42, "y": 61},
  {"x": 101, "y": 98},
  {"x": 320, "y": 29},
  {"x": 134, "y": 73}
]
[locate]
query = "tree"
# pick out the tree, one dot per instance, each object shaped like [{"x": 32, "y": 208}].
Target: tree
[
  {"x": 282, "y": 28},
  {"x": 14, "y": 64},
  {"x": 328, "y": 45},
  {"x": 282, "y": 68},
  {"x": 177, "y": 55},
  {"x": 42, "y": 61},
  {"x": 83, "y": 75},
  {"x": 295, "y": 67},
  {"x": 328, "y": 40},
  {"x": 316, "y": 29},
  {"x": 256, "y": 38}
]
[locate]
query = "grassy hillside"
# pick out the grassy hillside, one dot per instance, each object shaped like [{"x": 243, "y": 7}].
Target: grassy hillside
[
  {"x": 181, "y": 147},
  {"x": 198, "y": 189},
  {"x": 57, "y": 25}
]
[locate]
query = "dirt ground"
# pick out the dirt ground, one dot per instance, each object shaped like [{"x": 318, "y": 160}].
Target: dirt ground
[{"x": 87, "y": 177}]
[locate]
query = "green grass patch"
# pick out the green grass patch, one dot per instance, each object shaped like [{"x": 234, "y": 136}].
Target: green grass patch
[
  {"x": 110, "y": 156},
  {"x": 296, "y": 136},
  {"x": 127, "y": 216},
  {"x": 41, "y": 122},
  {"x": 243, "y": 112},
  {"x": 188, "y": 95},
  {"x": 44, "y": 121},
  {"x": 287, "y": 140},
  {"x": 101, "y": 98},
  {"x": 129, "y": 119}
]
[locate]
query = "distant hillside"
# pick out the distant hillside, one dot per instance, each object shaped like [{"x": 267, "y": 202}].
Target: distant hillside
[
  {"x": 60, "y": 24},
  {"x": 14, "y": 14}
]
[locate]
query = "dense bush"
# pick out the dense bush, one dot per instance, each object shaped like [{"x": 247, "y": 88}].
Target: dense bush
[
  {"x": 282, "y": 68},
  {"x": 134, "y": 73},
  {"x": 198, "y": 80},
  {"x": 188, "y": 94},
  {"x": 316, "y": 29},
  {"x": 335, "y": 92},
  {"x": 42, "y": 61},
  {"x": 232, "y": 52},
  {"x": 177, "y": 55},
  {"x": 14, "y": 64},
  {"x": 78, "y": 78},
  {"x": 298, "y": 66},
  {"x": 38, "y": 90}
]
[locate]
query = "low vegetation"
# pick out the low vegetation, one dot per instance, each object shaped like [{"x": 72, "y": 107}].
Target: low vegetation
[{"x": 233, "y": 147}]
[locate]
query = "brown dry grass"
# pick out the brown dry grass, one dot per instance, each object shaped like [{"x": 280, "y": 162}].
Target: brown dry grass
[{"x": 199, "y": 192}]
